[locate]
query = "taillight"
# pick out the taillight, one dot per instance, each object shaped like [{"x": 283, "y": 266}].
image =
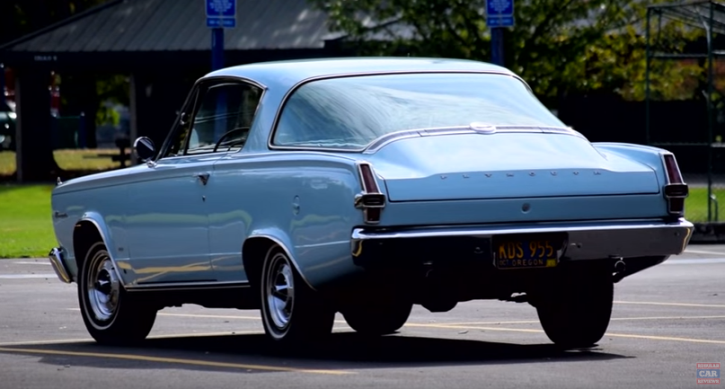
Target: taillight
[
  {"x": 370, "y": 200},
  {"x": 370, "y": 185},
  {"x": 675, "y": 190},
  {"x": 673, "y": 171}
]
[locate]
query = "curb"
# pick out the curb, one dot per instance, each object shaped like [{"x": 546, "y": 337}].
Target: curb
[{"x": 708, "y": 233}]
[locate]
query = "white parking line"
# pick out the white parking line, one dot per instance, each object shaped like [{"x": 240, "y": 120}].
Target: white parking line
[
  {"x": 24, "y": 276},
  {"x": 33, "y": 263},
  {"x": 700, "y": 261},
  {"x": 704, "y": 252}
]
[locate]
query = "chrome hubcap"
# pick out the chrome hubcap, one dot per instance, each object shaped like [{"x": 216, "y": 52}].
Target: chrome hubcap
[
  {"x": 103, "y": 287},
  {"x": 280, "y": 291}
]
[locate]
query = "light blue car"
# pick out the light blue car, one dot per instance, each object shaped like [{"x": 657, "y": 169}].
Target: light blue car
[{"x": 365, "y": 186}]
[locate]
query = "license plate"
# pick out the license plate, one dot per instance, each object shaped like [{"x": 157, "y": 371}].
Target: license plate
[{"x": 527, "y": 253}]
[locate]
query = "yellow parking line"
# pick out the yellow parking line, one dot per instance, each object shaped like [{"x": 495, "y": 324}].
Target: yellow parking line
[
  {"x": 476, "y": 325},
  {"x": 194, "y": 362},
  {"x": 666, "y": 338},
  {"x": 614, "y": 335},
  {"x": 671, "y": 304},
  {"x": 86, "y": 340},
  {"x": 43, "y": 342}
]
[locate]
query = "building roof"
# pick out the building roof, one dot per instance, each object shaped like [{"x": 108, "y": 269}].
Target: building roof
[{"x": 179, "y": 25}]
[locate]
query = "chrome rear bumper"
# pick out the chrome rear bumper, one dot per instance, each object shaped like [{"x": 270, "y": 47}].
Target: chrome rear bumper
[
  {"x": 56, "y": 259},
  {"x": 585, "y": 240}
]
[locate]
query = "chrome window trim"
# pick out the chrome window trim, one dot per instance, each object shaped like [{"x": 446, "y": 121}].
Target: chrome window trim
[{"x": 195, "y": 92}]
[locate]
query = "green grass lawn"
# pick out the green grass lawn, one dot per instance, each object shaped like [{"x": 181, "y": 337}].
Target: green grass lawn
[
  {"x": 82, "y": 159},
  {"x": 26, "y": 229},
  {"x": 696, "y": 204}
]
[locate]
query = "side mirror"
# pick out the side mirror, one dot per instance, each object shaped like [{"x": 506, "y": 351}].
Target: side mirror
[{"x": 144, "y": 148}]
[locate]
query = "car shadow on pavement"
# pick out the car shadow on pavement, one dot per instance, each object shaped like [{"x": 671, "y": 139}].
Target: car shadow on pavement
[{"x": 341, "y": 351}]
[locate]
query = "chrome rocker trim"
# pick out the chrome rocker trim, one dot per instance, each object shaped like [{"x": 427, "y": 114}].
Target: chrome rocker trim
[
  {"x": 56, "y": 260},
  {"x": 586, "y": 240}
]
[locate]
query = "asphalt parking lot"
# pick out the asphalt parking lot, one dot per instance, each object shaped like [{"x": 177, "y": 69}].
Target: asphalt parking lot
[{"x": 665, "y": 321}]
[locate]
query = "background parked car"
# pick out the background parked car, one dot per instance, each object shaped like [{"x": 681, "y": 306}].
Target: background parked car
[{"x": 8, "y": 120}]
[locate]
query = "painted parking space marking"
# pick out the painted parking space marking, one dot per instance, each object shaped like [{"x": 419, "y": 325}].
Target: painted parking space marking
[
  {"x": 699, "y": 261},
  {"x": 508, "y": 329},
  {"x": 233, "y": 317},
  {"x": 33, "y": 263},
  {"x": 612, "y": 319},
  {"x": 693, "y": 305},
  {"x": 704, "y": 252},
  {"x": 26, "y": 276},
  {"x": 180, "y": 361},
  {"x": 90, "y": 340},
  {"x": 613, "y": 335}
]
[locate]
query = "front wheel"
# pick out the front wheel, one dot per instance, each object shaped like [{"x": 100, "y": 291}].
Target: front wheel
[
  {"x": 577, "y": 311},
  {"x": 291, "y": 311},
  {"x": 110, "y": 314}
]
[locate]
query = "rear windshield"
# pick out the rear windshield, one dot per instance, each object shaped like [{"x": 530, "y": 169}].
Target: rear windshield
[{"x": 351, "y": 112}]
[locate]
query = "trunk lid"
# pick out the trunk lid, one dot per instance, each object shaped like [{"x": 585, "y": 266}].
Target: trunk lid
[{"x": 505, "y": 165}]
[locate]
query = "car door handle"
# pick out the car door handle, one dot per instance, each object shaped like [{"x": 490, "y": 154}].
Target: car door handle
[{"x": 203, "y": 177}]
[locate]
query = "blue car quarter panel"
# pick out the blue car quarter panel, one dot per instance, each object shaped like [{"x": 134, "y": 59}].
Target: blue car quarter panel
[{"x": 304, "y": 198}]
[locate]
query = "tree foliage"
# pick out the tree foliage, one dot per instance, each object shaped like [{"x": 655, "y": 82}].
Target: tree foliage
[
  {"x": 558, "y": 46},
  {"x": 21, "y": 17}
]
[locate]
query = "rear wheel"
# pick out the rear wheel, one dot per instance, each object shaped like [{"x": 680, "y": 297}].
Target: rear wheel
[
  {"x": 291, "y": 311},
  {"x": 110, "y": 314},
  {"x": 379, "y": 319},
  {"x": 576, "y": 312}
]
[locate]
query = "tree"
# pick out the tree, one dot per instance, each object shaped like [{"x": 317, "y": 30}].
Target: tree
[
  {"x": 558, "y": 46},
  {"x": 20, "y": 17}
]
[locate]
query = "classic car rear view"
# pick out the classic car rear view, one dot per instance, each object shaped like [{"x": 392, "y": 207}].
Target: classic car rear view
[{"x": 367, "y": 186}]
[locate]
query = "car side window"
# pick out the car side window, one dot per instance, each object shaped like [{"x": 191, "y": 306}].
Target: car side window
[
  {"x": 178, "y": 141},
  {"x": 224, "y": 116}
]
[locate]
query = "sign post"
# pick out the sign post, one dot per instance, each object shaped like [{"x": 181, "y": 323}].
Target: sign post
[
  {"x": 499, "y": 14},
  {"x": 220, "y": 14}
]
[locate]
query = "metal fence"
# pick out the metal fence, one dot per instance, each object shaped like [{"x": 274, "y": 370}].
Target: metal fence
[{"x": 701, "y": 138}]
